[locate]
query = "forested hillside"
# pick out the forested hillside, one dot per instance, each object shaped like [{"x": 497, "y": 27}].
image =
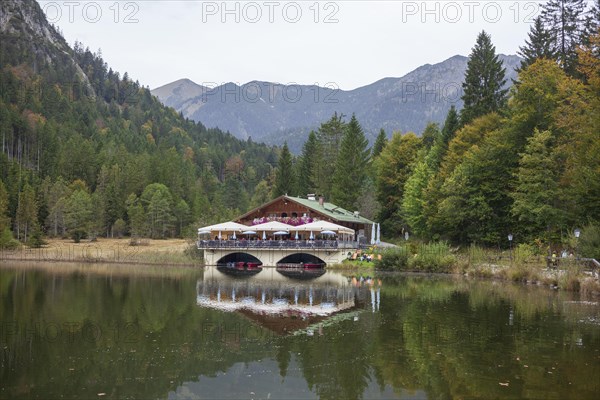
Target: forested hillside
[
  {"x": 87, "y": 151},
  {"x": 524, "y": 161}
]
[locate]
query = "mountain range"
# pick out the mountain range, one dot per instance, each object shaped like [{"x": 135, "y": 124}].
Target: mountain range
[{"x": 274, "y": 113}]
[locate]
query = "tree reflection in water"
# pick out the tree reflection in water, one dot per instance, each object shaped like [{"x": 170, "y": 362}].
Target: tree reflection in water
[{"x": 134, "y": 334}]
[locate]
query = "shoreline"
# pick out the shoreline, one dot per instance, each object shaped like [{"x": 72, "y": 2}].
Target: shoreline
[{"x": 175, "y": 253}]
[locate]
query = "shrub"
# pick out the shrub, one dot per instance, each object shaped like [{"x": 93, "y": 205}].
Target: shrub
[
  {"x": 36, "y": 240},
  {"x": 524, "y": 253},
  {"x": 434, "y": 257},
  {"x": 78, "y": 234},
  {"x": 7, "y": 241},
  {"x": 395, "y": 258}
]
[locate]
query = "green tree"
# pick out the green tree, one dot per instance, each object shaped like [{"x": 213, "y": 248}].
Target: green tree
[
  {"x": 158, "y": 201},
  {"x": 78, "y": 214},
  {"x": 379, "y": 144},
  {"x": 285, "y": 180},
  {"x": 26, "y": 217},
  {"x": 394, "y": 165},
  {"x": 137, "y": 217},
  {"x": 329, "y": 137},
  {"x": 413, "y": 200},
  {"x": 539, "y": 44},
  {"x": 565, "y": 19},
  {"x": 4, "y": 218},
  {"x": 451, "y": 125},
  {"x": 262, "y": 194},
  {"x": 305, "y": 165},
  {"x": 483, "y": 88},
  {"x": 466, "y": 138},
  {"x": 56, "y": 201},
  {"x": 182, "y": 214},
  {"x": 6, "y": 238},
  {"x": 351, "y": 167},
  {"x": 431, "y": 132},
  {"x": 537, "y": 196}
]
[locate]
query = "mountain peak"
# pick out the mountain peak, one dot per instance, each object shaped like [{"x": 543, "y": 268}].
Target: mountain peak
[{"x": 275, "y": 113}]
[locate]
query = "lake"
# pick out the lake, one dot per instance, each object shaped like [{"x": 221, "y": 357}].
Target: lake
[{"x": 125, "y": 332}]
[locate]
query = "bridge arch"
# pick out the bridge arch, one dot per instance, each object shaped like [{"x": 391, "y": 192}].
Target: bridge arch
[
  {"x": 297, "y": 258},
  {"x": 238, "y": 257}
]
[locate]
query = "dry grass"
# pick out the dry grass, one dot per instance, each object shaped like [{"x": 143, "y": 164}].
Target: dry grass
[{"x": 170, "y": 251}]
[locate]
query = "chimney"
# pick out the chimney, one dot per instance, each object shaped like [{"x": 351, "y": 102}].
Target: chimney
[{"x": 321, "y": 200}]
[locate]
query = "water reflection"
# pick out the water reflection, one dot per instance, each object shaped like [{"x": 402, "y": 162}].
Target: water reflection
[
  {"x": 280, "y": 303},
  {"x": 140, "y": 333}
]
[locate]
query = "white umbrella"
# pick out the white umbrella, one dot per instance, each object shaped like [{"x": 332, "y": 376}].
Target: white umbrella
[
  {"x": 373, "y": 234},
  {"x": 280, "y": 233},
  {"x": 312, "y": 237},
  {"x": 327, "y": 233},
  {"x": 264, "y": 235},
  {"x": 378, "y": 234},
  {"x": 219, "y": 235},
  {"x": 248, "y": 233},
  {"x": 296, "y": 237},
  {"x": 234, "y": 237}
]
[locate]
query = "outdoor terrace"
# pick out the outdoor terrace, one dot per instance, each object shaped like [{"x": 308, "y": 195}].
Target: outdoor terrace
[{"x": 277, "y": 244}]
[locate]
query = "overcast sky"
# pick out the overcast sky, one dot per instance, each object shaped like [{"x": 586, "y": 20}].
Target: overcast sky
[{"x": 345, "y": 43}]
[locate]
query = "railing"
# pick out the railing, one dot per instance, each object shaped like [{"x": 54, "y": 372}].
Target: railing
[{"x": 277, "y": 244}]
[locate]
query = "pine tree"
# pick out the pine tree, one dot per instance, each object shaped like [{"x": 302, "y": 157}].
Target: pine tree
[
  {"x": 539, "y": 45},
  {"x": 306, "y": 181},
  {"x": 592, "y": 23},
  {"x": 379, "y": 144},
  {"x": 285, "y": 181},
  {"x": 565, "y": 19},
  {"x": 431, "y": 132},
  {"x": 329, "y": 137},
  {"x": 351, "y": 168},
  {"x": 451, "y": 125},
  {"x": 484, "y": 81}
]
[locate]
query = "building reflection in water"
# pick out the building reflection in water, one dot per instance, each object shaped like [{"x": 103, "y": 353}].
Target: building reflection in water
[{"x": 283, "y": 304}]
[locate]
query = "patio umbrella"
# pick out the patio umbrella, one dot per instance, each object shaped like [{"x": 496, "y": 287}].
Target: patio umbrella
[
  {"x": 234, "y": 237},
  {"x": 280, "y": 233},
  {"x": 312, "y": 237},
  {"x": 327, "y": 233},
  {"x": 219, "y": 235},
  {"x": 264, "y": 235},
  {"x": 373, "y": 234},
  {"x": 248, "y": 233},
  {"x": 296, "y": 237},
  {"x": 378, "y": 240}
]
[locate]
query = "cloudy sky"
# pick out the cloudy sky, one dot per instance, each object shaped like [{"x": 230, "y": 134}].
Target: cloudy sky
[{"x": 343, "y": 43}]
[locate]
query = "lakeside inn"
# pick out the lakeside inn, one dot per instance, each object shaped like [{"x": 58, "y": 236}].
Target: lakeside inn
[{"x": 287, "y": 231}]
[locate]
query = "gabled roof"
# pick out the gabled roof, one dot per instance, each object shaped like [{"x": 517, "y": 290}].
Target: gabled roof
[
  {"x": 331, "y": 210},
  {"x": 328, "y": 209}
]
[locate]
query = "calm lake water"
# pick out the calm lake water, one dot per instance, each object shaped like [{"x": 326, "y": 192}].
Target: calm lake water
[{"x": 94, "y": 332}]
